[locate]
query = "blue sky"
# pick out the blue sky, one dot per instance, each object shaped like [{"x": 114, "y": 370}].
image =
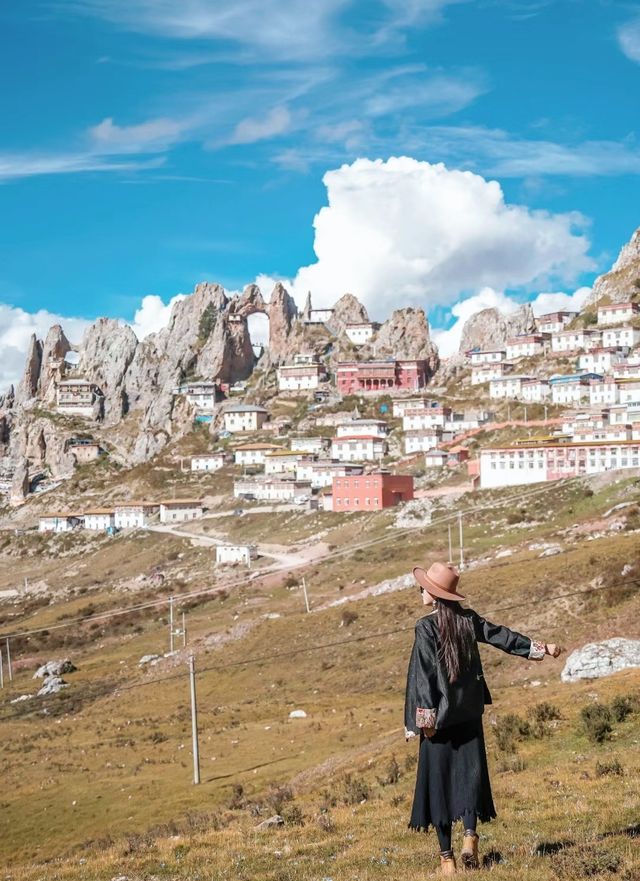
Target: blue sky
[{"x": 145, "y": 149}]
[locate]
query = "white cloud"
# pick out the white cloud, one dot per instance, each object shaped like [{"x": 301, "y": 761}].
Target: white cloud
[
  {"x": 153, "y": 314},
  {"x": 276, "y": 122},
  {"x": 406, "y": 232},
  {"x": 14, "y": 165},
  {"x": 152, "y": 135},
  {"x": 629, "y": 39},
  {"x": 448, "y": 340},
  {"x": 16, "y": 327}
]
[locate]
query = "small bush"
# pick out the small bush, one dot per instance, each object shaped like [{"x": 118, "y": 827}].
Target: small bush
[
  {"x": 544, "y": 712},
  {"x": 596, "y": 722},
  {"x": 609, "y": 769},
  {"x": 393, "y": 774},
  {"x": 623, "y": 706},
  {"x": 348, "y": 617},
  {"x": 511, "y": 765},
  {"x": 238, "y": 799},
  {"x": 278, "y": 796},
  {"x": 584, "y": 862},
  {"x": 293, "y": 815},
  {"x": 356, "y": 790},
  {"x": 508, "y": 730}
]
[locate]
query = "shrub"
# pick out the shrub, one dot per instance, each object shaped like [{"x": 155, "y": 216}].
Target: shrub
[
  {"x": 348, "y": 617},
  {"x": 393, "y": 774},
  {"x": 237, "y": 800},
  {"x": 544, "y": 712},
  {"x": 609, "y": 769},
  {"x": 623, "y": 706},
  {"x": 278, "y": 796},
  {"x": 508, "y": 730},
  {"x": 356, "y": 790},
  {"x": 596, "y": 722},
  {"x": 511, "y": 765},
  {"x": 293, "y": 815},
  {"x": 584, "y": 862}
]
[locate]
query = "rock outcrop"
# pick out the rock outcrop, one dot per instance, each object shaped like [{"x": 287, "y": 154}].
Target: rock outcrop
[
  {"x": 622, "y": 282},
  {"x": 55, "y": 668},
  {"x": 19, "y": 483},
  {"x": 490, "y": 327},
  {"x": 28, "y": 385},
  {"x": 347, "y": 310},
  {"x": 598, "y": 659},
  {"x": 406, "y": 335},
  {"x": 56, "y": 347},
  {"x": 107, "y": 350}
]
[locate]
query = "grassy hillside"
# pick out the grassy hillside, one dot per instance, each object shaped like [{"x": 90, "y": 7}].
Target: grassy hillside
[{"x": 97, "y": 780}]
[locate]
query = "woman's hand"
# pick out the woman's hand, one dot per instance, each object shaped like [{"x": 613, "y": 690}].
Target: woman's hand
[
  {"x": 552, "y": 649},
  {"x": 428, "y": 732}
]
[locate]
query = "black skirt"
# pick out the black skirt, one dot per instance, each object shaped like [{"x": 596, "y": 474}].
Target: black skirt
[{"x": 453, "y": 777}]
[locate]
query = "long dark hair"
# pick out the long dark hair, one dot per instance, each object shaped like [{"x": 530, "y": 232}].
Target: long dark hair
[{"x": 457, "y": 638}]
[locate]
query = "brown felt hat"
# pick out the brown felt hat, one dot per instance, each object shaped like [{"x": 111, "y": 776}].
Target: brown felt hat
[{"x": 441, "y": 580}]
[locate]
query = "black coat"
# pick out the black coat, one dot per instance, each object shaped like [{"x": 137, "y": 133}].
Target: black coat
[{"x": 428, "y": 685}]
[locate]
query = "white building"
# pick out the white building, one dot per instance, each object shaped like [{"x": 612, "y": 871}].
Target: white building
[
  {"x": 621, "y": 337},
  {"x": 253, "y": 454},
  {"x": 513, "y": 466},
  {"x": 244, "y": 417},
  {"x": 486, "y": 356},
  {"x": 361, "y": 332},
  {"x": 609, "y": 433},
  {"x": 322, "y": 472},
  {"x": 358, "y": 448},
  {"x": 236, "y": 554},
  {"x": 603, "y": 392},
  {"x": 487, "y": 372},
  {"x": 201, "y": 395},
  {"x": 617, "y": 313},
  {"x": 180, "y": 510},
  {"x": 526, "y": 346},
  {"x": 555, "y": 322},
  {"x": 134, "y": 515},
  {"x": 574, "y": 340},
  {"x": 433, "y": 417},
  {"x": 312, "y": 444},
  {"x": 282, "y": 461},
  {"x": 300, "y": 377},
  {"x": 421, "y": 440},
  {"x": 535, "y": 391},
  {"x": 509, "y": 386},
  {"x": 572, "y": 388},
  {"x": 629, "y": 391},
  {"x": 363, "y": 428},
  {"x": 401, "y": 406},
  {"x": 208, "y": 462},
  {"x": 264, "y": 489},
  {"x": 58, "y": 522},
  {"x": 435, "y": 459},
  {"x": 319, "y": 316},
  {"x": 599, "y": 360},
  {"x": 76, "y": 397},
  {"x": 628, "y": 368},
  {"x": 99, "y": 520}
]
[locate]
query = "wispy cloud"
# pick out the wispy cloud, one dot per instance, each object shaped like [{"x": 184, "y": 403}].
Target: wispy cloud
[
  {"x": 276, "y": 122},
  {"x": 15, "y": 165},
  {"x": 152, "y": 136},
  {"x": 629, "y": 39}
]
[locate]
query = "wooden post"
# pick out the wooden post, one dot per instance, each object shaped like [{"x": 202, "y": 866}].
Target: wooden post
[
  {"x": 306, "y": 596},
  {"x": 461, "y": 541},
  {"x": 9, "y": 661},
  {"x": 450, "y": 547},
  {"x": 171, "y": 624}
]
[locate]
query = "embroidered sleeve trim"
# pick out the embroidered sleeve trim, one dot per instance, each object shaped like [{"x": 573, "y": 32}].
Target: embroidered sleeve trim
[
  {"x": 425, "y": 718},
  {"x": 537, "y": 651}
]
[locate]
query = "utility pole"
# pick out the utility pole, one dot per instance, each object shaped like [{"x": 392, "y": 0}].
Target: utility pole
[
  {"x": 545, "y": 412},
  {"x": 525, "y": 413},
  {"x": 184, "y": 632},
  {"x": 306, "y": 596},
  {"x": 194, "y": 722},
  {"x": 450, "y": 558},
  {"x": 461, "y": 541},
  {"x": 1, "y": 671},
  {"x": 171, "y": 624},
  {"x": 9, "y": 661}
]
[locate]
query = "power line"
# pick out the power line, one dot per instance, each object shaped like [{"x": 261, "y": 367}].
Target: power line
[
  {"x": 260, "y": 659},
  {"x": 398, "y": 533}
]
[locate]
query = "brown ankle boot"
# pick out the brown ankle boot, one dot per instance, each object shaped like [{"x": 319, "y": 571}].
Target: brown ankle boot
[
  {"x": 470, "y": 859},
  {"x": 447, "y": 863}
]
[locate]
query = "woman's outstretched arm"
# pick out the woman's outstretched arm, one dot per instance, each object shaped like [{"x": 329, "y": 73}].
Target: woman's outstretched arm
[{"x": 511, "y": 641}]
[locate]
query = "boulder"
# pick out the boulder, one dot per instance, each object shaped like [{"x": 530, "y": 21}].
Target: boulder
[
  {"x": 20, "y": 483},
  {"x": 52, "y": 685},
  {"x": 347, "y": 310},
  {"x": 55, "y": 668},
  {"x": 598, "y": 659},
  {"x": 270, "y": 823},
  {"x": 297, "y": 714},
  {"x": 623, "y": 279},
  {"x": 147, "y": 659}
]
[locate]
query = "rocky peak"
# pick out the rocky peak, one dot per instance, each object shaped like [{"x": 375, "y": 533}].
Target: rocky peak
[
  {"x": 622, "y": 282},
  {"x": 347, "y": 310},
  {"x": 107, "y": 350},
  {"x": 56, "y": 347},
  {"x": 28, "y": 385},
  {"x": 406, "y": 335},
  {"x": 490, "y": 327},
  {"x": 282, "y": 315}
]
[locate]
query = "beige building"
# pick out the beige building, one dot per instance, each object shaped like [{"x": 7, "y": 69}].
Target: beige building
[
  {"x": 76, "y": 397},
  {"x": 84, "y": 451},
  {"x": 134, "y": 515},
  {"x": 244, "y": 417},
  {"x": 180, "y": 510},
  {"x": 231, "y": 554},
  {"x": 208, "y": 462}
]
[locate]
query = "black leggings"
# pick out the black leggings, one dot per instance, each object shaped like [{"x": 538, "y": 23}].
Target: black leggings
[{"x": 470, "y": 822}]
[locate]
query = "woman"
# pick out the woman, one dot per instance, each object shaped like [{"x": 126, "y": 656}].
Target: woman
[{"x": 445, "y": 699}]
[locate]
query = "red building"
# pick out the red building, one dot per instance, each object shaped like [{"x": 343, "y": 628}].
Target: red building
[
  {"x": 355, "y": 377},
  {"x": 371, "y": 492}
]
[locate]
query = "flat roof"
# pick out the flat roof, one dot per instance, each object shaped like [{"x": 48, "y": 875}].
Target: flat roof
[
  {"x": 169, "y": 502},
  {"x": 245, "y": 408}
]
